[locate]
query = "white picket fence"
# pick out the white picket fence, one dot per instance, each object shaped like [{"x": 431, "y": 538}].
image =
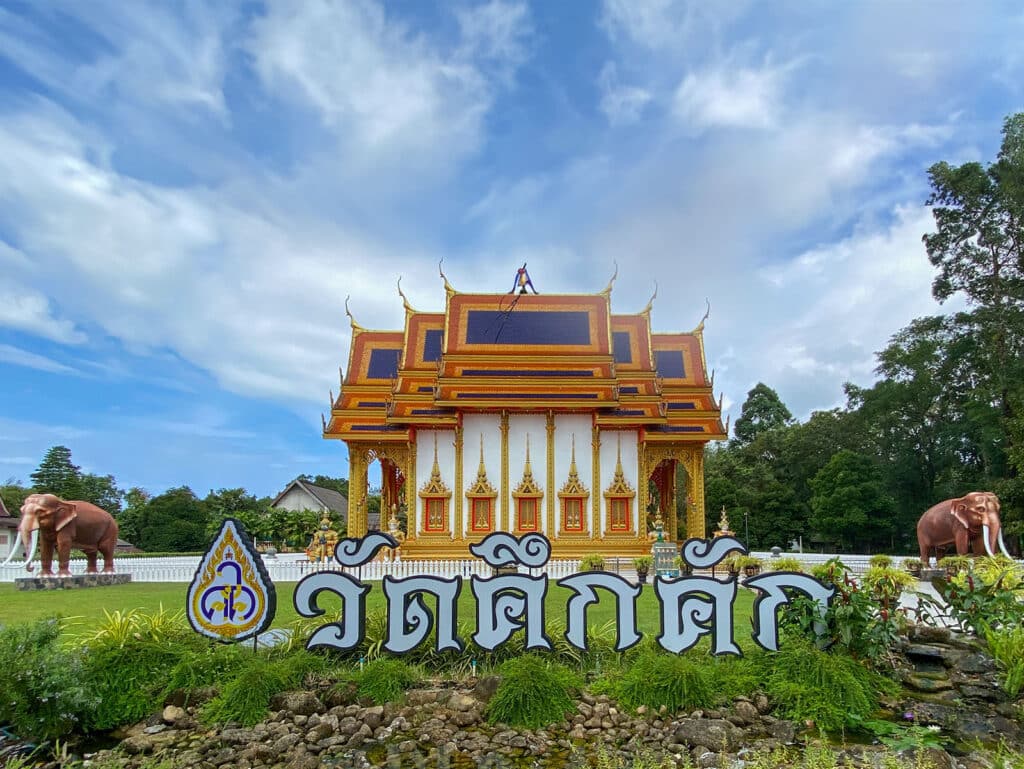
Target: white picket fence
[{"x": 290, "y": 569}]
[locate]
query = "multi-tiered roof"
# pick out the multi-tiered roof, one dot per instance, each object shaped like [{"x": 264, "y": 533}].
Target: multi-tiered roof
[{"x": 522, "y": 352}]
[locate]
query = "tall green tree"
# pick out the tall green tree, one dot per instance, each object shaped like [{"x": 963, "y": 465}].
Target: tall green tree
[
  {"x": 130, "y": 519},
  {"x": 102, "y": 491},
  {"x": 57, "y": 474},
  {"x": 174, "y": 521},
  {"x": 762, "y": 410},
  {"x": 13, "y": 493},
  {"x": 850, "y": 502}
]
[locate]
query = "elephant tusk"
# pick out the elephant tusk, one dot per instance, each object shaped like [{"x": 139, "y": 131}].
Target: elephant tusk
[
  {"x": 984, "y": 536},
  {"x": 14, "y": 549},
  {"x": 1002, "y": 545},
  {"x": 31, "y": 550}
]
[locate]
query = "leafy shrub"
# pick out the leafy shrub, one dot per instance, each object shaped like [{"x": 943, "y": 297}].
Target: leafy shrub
[
  {"x": 127, "y": 663},
  {"x": 1007, "y": 646},
  {"x": 385, "y": 680},
  {"x": 954, "y": 563},
  {"x": 532, "y": 693},
  {"x": 832, "y": 690},
  {"x": 655, "y": 679},
  {"x": 972, "y": 603},
  {"x": 886, "y": 584},
  {"x": 786, "y": 563},
  {"x": 592, "y": 562},
  {"x": 643, "y": 563},
  {"x": 880, "y": 561},
  {"x": 246, "y": 696},
  {"x": 855, "y": 623},
  {"x": 209, "y": 665},
  {"x": 912, "y": 564},
  {"x": 42, "y": 692}
]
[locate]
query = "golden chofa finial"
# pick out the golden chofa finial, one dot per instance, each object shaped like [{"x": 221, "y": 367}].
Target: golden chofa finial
[
  {"x": 650, "y": 302},
  {"x": 405, "y": 299},
  {"x": 355, "y": 326},
  {"x": 447, "y": 286},
  {"x": 323, "y": 421},
  {"x": 608, "y": 289},
  {"x": 700, "y": 326}
]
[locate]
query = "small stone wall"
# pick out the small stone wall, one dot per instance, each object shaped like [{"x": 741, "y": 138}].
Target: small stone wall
[{"x": 71, "y": 583}]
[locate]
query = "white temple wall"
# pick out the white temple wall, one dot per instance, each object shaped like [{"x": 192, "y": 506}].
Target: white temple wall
[
  {"x": 566, "y": 426},
  {"x": 519, "y": 426},
  {"x": 610, "y": 444},
  {"x": 489, "y": 427},
  {"x": 425, "y": 465}
]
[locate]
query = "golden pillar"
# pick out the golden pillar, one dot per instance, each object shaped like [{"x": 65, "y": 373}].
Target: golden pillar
[
  {"x": 668, "y": 505},
  {"x": 695, "y": 507},
  {"x": 457, "y": 519},
  {"x": 411, "y": 497},
  {"x": 595, "y": 489},
  {"x": 357, "y": 490},
  {"x": 549, "y": 491},
  {"x": 504, "y": 513},
  {"x": 643, "y": 483}
]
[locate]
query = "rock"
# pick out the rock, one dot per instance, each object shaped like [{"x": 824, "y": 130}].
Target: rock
[
  {"x": 927, "y": 634},
  {"x": 485, "y": 688},
  {"x": 707, "y": 760},
  {"x": 460, "y": 702},
  {"x": 976, "y": 663},
  {"x": 928, "y": 682},
  {"x": 172, "y": 714},
  {"x": 746, "y": 712},
  {"x": 373, "y": 717},
  {"x": 238, "y": 736},
  {"x": 762, "y": 703},
  {"x": 783, "y": 731},
  {"x": 155, "y": 729},
  {"x": 286, "y": 743},
  {"x": 420, "y": 697},
  {"x": 297, "y": 703},
  {"x": 713, "y": 734},
  {"x": 304, "y": 761},
  {"x": 982, "y": 691},
  {"x": 936, "y": 758}
]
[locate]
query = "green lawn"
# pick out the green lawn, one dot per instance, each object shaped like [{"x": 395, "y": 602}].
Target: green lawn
[{"x": 83, "y": 609}]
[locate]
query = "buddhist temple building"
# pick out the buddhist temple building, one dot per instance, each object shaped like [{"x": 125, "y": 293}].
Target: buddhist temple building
[{"x": 523, "y": 412}]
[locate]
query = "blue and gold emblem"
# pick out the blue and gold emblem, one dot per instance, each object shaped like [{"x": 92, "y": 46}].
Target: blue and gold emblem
[{"x": 231, "y": 596}]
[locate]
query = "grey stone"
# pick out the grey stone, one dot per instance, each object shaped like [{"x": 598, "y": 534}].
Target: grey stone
[
  {"x": 297, "y": 703},
  {"x": 976, "y": 663},
  {"x": 486, "y": 687},
  {"x": 713, "y": 734}
]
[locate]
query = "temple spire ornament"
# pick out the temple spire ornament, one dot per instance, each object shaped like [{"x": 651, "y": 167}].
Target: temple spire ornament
[
  {"x": 650, "y": 302},
  {"x": 449, "y": 291},
  {"x": 405, "y": 300},
  {"x": 356, "y": 328},
  {"x": 522, "y": 281},
  {"x": 608, "y": 289}
]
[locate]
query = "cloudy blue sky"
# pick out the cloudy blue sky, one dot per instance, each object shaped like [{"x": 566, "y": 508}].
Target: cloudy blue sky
[{"x": 189, "y": 190}]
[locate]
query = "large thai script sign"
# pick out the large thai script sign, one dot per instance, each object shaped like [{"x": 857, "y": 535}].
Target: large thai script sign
[{"x": 691, "y": 607}]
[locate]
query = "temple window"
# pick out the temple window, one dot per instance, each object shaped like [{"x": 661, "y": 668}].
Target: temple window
[
  {"x": 619, "y": 498},
  {"x": 435, "y": 496},
  {"x": 481, "y": 495},
  {"x": 528, "y": 496},
  {"x": 573, "y": 497}
]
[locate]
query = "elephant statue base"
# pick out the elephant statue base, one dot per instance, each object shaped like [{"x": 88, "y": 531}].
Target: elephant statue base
[
  {"x": 961, "y": 522},
  {"x": 74, "y": 582}
]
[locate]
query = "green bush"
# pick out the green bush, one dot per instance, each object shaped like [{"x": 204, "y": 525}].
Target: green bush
[
  {"x": 592, "y": 562},
  {"x": 655, "y": 679},
  {"x": 886, "y": 584},
  {"x": 880, "y": 561},
  {"x": 532, "y": 693},
  {"x": 1007, "y": 646},
  {"x": 786, "y": 563},
  {"x": 832, "y": 690},
  {"x": 385, "y": 680},
  {"x": 245, "y": 698},
  {"x": 127, "y": 663},
  {"x": 42, "y": 692}
]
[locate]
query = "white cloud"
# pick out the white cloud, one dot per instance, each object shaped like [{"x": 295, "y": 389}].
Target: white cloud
[
  {"x": 380, "y": 86},
  {"x": 740, "y": 97},
  {"x": 18, "y": 357},
  {"x": 28, "y": 310},
  {"x": 621, "y": 104}
]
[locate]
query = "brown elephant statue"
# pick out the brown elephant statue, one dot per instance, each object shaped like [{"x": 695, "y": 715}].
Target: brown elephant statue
[
  {"x": 27, "y": 537},
  {"x": 960, "y": 521},
  {"x": 66, "y": 524}
]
